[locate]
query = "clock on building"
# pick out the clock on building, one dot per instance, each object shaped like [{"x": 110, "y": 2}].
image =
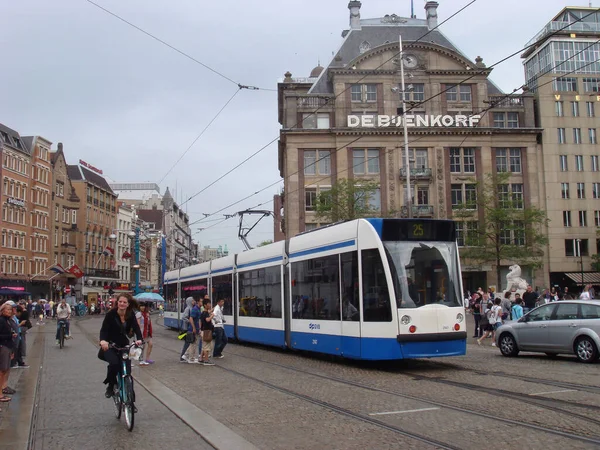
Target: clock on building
[{"x": 410, "y": 61}]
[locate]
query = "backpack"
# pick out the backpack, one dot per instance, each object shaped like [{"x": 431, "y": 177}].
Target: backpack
[{"x": 484, "y": 319}]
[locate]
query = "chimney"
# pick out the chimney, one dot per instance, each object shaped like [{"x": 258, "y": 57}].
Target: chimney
[
  {"x": 60, "y": 146},
  {"x": 354, "y": 7},
  {"x": 431, "y": 13}
]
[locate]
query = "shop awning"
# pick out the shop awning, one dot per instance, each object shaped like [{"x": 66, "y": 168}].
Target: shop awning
[{"x": 588, "y": 277}]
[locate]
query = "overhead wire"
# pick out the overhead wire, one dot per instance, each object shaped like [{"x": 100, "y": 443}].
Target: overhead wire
[{"x": 480, "y": 71}]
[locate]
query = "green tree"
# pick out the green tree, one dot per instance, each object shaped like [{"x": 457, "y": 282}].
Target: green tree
[
  {"x": 498, "y": 226},
  {"x": 263, "y": 243},
  {"x": 347, "y": 200}
]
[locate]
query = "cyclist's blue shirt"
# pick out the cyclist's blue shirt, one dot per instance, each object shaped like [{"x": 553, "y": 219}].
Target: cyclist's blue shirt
[{"x": 195, "y": 315}]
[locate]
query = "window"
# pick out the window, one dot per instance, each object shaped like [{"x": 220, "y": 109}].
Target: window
[
  {"x": 564, "y": 163},
  {"x": 310, "y": 226},
  {"x": 368, "y": 156},
  {"x": 515, "y": 160},
  {"x": 576, "y": 247},
  {"x": 561, "y": 136},
  {"x": 376, "y": 297},
  {"x": 350, "y": 293},
  {"x": 498, "y": 120},
  {"x": 455, "y": 160},
  {"x": 597, "y": 218},
  {"x": 567, "y": 218},
  {"x": 595, "y": 190},
  {"x": 501, "y": 160},
  {"x": 260, "y": 292},
  {"x": 74, "y": 216},
  {"x": 422, "y": 195},
  {"x": 318, "y": 120},
  {"x": 506, "y": 120},
  {"x": 417, "y": 94},
  {"x": 311, "y": 198},
  {"x": 592, "y": 135},
  {"x": 590, "y": 109},
  {"x": 459, "y": 93},
  {"x": 565, "y": 84},
  {"x": 590, "y": 311},
  {"x": 594, "y": 163},
  {"x": 317, "y": 162},
  {"x": 575, "y": 109},
  {"x": 583, "y": 218},
  {"x": 577, "y": 135},
  {"x": 559, "y": 109},
  {"x": 456, "y": 194},
  {"x": 316, "y": 288},
  {"x": 580, "y": 190},
  {"x": 591, "y": 84},
  {"x": 471, "y": 196},
  {"x": 503, "y": 195},
  {"x": 517, "y": 196},
  {"x": 417, "y": 158},
  {"x": 363, "y": 93},
  {"x": 468, "y": 160}
]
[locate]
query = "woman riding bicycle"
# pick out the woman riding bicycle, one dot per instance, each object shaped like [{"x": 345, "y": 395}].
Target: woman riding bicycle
[{"x": 117, "y": 325}]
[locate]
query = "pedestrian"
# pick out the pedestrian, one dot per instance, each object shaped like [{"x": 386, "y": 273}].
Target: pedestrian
[
  {"x": 489, "y": 325},
  {"x": 145, "y": 323},
  {"x": 46, "y": 309},
  {"x": 506, "y": 305},
  {"x": 39, "y": 312},
  {"x": 476, "y": 309},
  {"x": 63, "y": 313},
  {"x": 529, "y": 298},
  {"x": 21, "y": 351},
  {"x": 517, "y": 309},
  {"x": 192, "y": 329},
  {"x": 7, "y": 336},
  {"x": 220, "y": 336},
  {"x": 207, "y": 333},
  {"x": 585, "y": 295},
  {"x": 566, "y": 294},
  {"x": 51, "y": 308}
]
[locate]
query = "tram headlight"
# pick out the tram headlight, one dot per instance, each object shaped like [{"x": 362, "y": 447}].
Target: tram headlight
[
  {"x": 405, "y": 320},
  {"x": 460, "y": 317}
]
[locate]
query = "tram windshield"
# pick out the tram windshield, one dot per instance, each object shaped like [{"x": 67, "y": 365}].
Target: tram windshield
[{"x": 424, "y": 273}]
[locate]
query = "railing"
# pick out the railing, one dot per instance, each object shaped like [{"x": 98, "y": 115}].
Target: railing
[
  {"x": 313, "y": 102},
  {"x": 102, "y": 273},
  {"x": 101, "y": 204},
  {"x": 591, "y": 27},
  {"x": 502, "y": 101},
  {"x": 418, "y": 211},
  {"x": 96, "y": 202},
  {"x": 423, "y": 172}
]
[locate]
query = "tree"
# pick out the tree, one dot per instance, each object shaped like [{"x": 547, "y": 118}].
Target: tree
[
  {"x": 348, "y": 200},
  {"x": 495, "y": 225},
  {"x": 263, "y": 243}
]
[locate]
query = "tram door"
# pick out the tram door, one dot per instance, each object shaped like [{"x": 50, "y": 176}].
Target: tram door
[{"x": 350, "y": 305}]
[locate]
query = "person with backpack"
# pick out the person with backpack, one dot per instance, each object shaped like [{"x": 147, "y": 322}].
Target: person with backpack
[
  {"x": 476, "y": 309},
  {"x": 487, "y": 320},
  {"x": 191, "y": 316},
  {"x": 506, "y": 305}
]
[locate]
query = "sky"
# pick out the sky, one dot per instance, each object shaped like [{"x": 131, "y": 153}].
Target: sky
[{"x": 131, "y": 106}]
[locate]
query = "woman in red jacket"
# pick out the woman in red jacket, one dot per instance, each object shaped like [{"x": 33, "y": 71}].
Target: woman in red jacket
[{"x": 143, "y": 318}]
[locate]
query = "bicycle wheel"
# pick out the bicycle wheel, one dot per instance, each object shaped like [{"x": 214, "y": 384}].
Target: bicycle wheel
[
  {"x": 129, "y": 402},
  {"x": 61, "y": 336},
  {"x": 117, "y": 400}
]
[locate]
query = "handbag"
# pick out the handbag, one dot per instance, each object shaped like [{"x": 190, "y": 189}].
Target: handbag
[
  {"x": 28, "y": 324},
  {"x": 207, "y": 335},
  {"x": 190, "y": 337}
]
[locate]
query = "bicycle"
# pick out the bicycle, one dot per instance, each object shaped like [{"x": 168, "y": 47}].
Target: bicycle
[
  {"x": 124, "y": 397},
  {"x": 62, "y": 330}
]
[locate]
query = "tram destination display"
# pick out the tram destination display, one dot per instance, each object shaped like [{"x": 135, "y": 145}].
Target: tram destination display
[{"x": 418, "y": 230}]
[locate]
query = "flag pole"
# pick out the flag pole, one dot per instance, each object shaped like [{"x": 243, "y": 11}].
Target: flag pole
[{"x": 43, "y": 271}]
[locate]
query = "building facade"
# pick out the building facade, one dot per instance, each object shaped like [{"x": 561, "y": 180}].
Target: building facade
[
  {"x": 97, "y": 219},
  {"x": 65, "y": 206},
  {"x": 123, "y": 247},
  {"x": 562, "y": 69},
  {"x": 343, "y": 122}
]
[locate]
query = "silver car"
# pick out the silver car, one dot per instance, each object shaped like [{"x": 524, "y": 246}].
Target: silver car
[{"x": 568, "y": 327}]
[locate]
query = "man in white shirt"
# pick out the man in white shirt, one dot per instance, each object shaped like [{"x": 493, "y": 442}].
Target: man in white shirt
[
  {"x": 220, "y": 337},
  {"x": 63, "y": 312}
]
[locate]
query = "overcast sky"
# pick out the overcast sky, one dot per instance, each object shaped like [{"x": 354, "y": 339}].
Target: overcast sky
[{"x": 127, "y": 104}]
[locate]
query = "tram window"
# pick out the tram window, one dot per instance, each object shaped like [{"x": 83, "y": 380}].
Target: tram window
[
  {"x": 221, "y": 290},
  {"x": 170, "y": 291},
  {"x": 316, "y": 289},
  {"x": 376, "y": 297},
  {"x": 260, "y": 292},
  {"x": 196, "y": 289},
  {"x": 350, "y": 295}
]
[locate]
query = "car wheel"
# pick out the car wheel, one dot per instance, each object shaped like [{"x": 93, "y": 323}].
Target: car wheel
[
  {"x": 586, "y": 350},
  {"x": 508, "y": 345},
  {"x": 551, "y": 355}
]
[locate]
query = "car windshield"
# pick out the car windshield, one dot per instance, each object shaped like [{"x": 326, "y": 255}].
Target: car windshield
[{"x": 424, "y": 273}]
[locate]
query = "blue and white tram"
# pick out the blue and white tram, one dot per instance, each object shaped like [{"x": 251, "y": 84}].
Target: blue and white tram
[{"x": 375, "y": 289}]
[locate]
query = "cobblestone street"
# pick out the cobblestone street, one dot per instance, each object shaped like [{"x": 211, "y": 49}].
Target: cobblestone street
[{"x": 263, "y": 398}]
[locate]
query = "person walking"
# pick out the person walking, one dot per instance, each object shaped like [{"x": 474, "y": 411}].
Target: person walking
[
  {"x": 145, "y": 323},
  {"x": 517, "y": 309},
  {"x": 220, "y": 336},
  {"x": 585, "y": 295},
  {"x": 476, "y": 308},
  {"x": 506, "y": 305},
  {"x": 490, "y": 323},
  {"x": 529, "y": 298},
  {"x": 7, "y": 336},
  {"x": 192, "y": 330},
  {"x": 207, "y": 333},
  {"x": 20, "y": 350}
]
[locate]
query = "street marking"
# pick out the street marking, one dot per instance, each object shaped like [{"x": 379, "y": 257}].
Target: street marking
[
  {"x": 554, "y": 392},
  {"x": 402, "y": 412}
]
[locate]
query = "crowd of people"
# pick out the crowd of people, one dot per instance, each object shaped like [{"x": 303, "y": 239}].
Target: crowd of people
[{"x": 490, "y": 311}]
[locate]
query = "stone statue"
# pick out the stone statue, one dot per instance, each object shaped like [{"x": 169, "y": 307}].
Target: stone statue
[{"x": 514, "y": 282}]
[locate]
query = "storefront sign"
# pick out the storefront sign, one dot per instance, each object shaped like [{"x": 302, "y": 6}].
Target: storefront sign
[
  {"x": 14, "y": 288},
  {"x": 89, "y": 166},
  {"x": 383, "y": 121},
  {"x": 16, "y": 202}
]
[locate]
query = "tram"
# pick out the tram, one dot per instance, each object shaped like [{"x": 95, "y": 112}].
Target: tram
[{"x": 371, "y": 289}]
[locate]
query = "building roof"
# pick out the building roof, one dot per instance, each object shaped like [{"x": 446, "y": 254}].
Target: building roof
[
  {"x": 80, "y": 173},
  {"x": 136, "y": 195},
  {"x": 154, "y": 216},
  {"x": 10, "y": 137},
  {"x": 377, "y": 32}
]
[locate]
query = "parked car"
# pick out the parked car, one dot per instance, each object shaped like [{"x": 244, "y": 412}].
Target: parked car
[{"x": 563, "y": 327}]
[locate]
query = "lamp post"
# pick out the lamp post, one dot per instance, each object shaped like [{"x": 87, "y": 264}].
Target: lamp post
[{"x": 580, "y": 261}]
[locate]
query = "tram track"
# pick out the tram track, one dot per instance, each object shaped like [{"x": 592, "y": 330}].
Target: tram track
[{"x": 485, "y": 415}]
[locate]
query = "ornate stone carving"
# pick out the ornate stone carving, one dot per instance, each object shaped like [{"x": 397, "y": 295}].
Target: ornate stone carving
[
  {"x": 441, "y": 183},
  {"x": 393, "y": 18},
  {"x": 364, "y": 46}
]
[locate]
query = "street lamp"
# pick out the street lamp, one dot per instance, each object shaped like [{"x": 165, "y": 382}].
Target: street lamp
[{"x": 580, "y": 261}]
